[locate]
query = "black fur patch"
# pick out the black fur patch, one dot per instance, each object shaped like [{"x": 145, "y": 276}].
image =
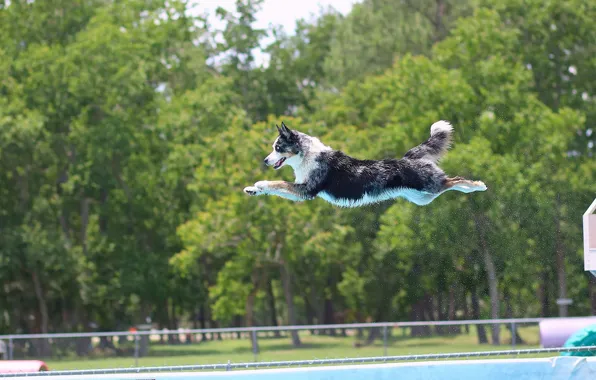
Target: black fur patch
[
  {"x": 434, "y": 146},
  {"x": 288, "y": 141},
  {"x": 349, "y": 178}
]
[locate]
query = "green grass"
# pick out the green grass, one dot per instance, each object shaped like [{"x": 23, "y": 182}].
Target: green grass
[{"x": 313, "y": 347}]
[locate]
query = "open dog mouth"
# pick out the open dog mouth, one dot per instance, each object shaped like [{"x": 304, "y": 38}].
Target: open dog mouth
[{"x": 279, "y": 163}]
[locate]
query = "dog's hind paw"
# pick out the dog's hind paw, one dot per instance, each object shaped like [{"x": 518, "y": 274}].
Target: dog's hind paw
[
  {"x": 252, "y": 190},
  {"x": 480, "y": 186}
]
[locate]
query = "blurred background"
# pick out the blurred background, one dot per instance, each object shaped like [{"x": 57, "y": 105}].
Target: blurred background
[{"x": 129, "y": 129}]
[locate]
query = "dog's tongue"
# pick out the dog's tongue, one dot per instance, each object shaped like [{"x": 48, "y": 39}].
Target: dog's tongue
[{"x": 280, "y": 162}]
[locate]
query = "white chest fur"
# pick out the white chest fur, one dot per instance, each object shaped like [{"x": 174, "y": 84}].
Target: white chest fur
[{"x": 305, "y": 169}]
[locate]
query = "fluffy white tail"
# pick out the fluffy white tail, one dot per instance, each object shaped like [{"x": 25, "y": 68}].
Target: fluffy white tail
[{"x": 437, "y": 144}]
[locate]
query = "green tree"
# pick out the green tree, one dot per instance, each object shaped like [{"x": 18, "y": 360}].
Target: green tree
[{"x": 376, "y": 32}]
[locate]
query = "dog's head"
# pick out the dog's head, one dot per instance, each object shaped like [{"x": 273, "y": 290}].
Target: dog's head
[{"x": 286, "y": 148}]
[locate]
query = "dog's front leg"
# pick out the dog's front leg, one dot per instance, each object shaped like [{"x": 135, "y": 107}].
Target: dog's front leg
[{"x": 288, "y": 190}]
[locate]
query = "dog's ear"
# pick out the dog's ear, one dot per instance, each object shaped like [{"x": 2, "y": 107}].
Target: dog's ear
[
  {"x": 287, "y": 132},
  {"x": 279, "y": 129}
]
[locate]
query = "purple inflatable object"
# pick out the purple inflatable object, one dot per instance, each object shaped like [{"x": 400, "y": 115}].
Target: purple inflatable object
[{"x": 555, "y": 332}]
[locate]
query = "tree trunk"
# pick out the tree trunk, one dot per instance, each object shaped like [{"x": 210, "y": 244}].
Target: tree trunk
[
  {"x": 438, "y": 24},
  {"x": 451, "y": 311},
  {"x": 310, "y": 315},
  {"x": 250, "y": 305},
  {"x": 493, "y": 284},
  {"x": 560, "y": 258},
  {"x": 440, "y": 307},
  {"x": 318, "y": 307},
  {"x": 428, "y": 308},
  {"x": 329, "y": 316},
  {"x": 238, "y": 322},
  {"x": 543, "y": 293},
  {"x": 63, "y": 218},
  {"x": 272, "y": 308},
  {"x": 83, "y": 346},
  {"x": 84, "y": 222},
  {"x": 23, "y": 185},
  {"x": 195, "y": 314},
  {"x": 215, "y": 324},
  {"x": 451, "y": 305},
  {"x": 373, "y": 334},
  {"x": 174, "y": 338},
  {"x": 440, "y": 312},
  {"x": 163, "y": 319},
  {"x": 164, "y": 315},
  {"x": 107, "y": 343},
  {"x": 466, "y": 309},
  {"x": 103, "y": 217},
  {"x": 329, "y": 309},
  {"x": 482, "y": 339},
  {"x": 286, "y": 279},
  {"x": 417, "y": 314},
  {"x": 509, "y": 314},
  {"x": 44, "y": 349},
  {"x": 202, "y": 321}
]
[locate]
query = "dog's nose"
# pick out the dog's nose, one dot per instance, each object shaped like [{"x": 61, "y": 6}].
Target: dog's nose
[{"x": 265, "y": 162}]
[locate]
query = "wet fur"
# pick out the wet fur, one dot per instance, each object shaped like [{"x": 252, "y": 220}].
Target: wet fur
[{"x": 350, "y": 182}]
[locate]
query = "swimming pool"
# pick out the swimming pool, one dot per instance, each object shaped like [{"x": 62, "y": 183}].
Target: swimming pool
[{"x": 558, "y": 368}]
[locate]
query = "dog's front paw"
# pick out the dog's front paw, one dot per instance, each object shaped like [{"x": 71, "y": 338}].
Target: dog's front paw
[
  {"x": 258, "y": 188},
  {"x": 262, "y": 185},
  {"x": 253, "y": 190},
  {"x": 480, "y": 185}
]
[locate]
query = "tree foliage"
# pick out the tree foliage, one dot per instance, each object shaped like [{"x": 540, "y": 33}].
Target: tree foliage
[{"x": 128, "y": 130}]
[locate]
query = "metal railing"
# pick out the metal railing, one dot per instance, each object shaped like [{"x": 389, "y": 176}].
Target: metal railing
[
  {"x": 229, "y": 366},
  {"x": 512, "y": 325},
  {"x": 285, "y": 328}
]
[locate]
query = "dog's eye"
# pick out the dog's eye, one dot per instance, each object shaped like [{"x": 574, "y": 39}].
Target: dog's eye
[{"x": 277, "y": 148}]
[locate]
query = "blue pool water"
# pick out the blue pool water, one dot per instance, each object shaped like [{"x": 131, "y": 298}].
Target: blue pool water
[{"x": 556, "y": 368}]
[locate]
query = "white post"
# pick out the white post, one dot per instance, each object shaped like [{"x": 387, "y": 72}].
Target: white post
[
  {"x": 589, "y": 222},
  {"x": 385, "y": 340}
]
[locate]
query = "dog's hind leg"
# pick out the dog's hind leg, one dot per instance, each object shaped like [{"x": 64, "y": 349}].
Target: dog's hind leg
[
  {"x": 423, "y": 200},
  {"x": 293, "y": 191},
  {"x": 463, "y": 185},
  {"x": 419, "y": 198}
]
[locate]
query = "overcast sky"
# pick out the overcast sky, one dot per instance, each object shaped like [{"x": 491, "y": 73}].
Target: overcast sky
[
  {"x": 276, "y": 12},
  {"x": 282, "y": 12}
]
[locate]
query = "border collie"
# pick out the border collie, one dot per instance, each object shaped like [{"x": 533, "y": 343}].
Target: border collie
[{"x": 349, "y": 182}]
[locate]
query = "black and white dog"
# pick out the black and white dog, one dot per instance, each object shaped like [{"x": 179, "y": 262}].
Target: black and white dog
[{"x": 349, "y": 182}]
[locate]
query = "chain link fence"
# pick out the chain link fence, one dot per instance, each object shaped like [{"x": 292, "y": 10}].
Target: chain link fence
[{"x": 149, "y": 347}]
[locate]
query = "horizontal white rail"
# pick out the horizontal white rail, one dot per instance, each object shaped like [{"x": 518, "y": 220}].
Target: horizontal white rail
[
  {"x": 279, "y": 328},
  {"x": 302, "y": 363}
]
